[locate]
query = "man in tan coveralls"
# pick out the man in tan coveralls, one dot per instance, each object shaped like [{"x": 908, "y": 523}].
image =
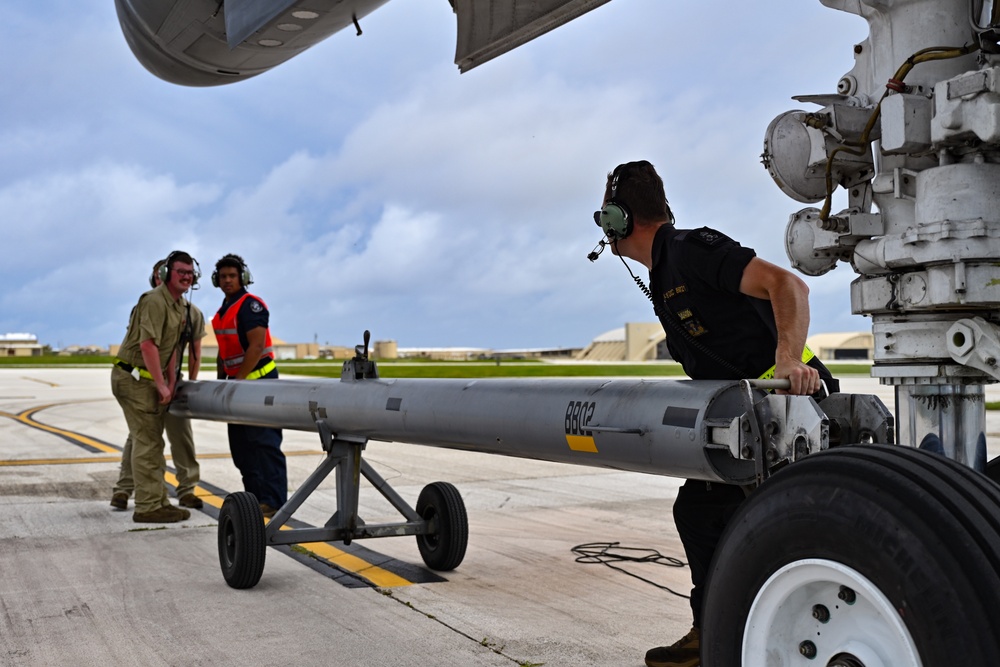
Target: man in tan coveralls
[
  {"x": 178, "y": 429},
  {"x": 143, "y": 381}
]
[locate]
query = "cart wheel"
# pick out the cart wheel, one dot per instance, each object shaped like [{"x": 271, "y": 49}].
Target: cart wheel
[
  {"x": 241, "y": 540},
  {"x": 444, "y": 547},
  {"x": 863, "y": 555}
]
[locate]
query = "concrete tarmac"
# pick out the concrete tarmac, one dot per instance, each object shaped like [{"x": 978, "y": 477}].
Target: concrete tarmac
[{"x": 82, "y": 584}]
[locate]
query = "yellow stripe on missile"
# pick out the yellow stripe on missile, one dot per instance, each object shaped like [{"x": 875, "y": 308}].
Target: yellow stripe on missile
[{"x": 581, "y": 443}]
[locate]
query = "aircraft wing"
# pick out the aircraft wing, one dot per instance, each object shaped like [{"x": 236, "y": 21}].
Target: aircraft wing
[
  {"x": 213, "y": 42},
  {"x": 489, "y": 29}
]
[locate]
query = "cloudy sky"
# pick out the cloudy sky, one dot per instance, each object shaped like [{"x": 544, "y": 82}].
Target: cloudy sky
[{"x": 369, "y": 185}]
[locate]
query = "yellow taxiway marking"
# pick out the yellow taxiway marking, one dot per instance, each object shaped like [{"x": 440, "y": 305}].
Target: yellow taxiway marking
[
  {"x": 118, "y": 457},
  {"x": 49, "y": 462},
  {"x": 25, "y": 418},
  {"x": 341, "y": 559},
  {"x": 333, "y": 555},
  {"x": 352, "y": 564},
  {"x": 362, "y": 568},
  {"x": 200, "y": 491}
]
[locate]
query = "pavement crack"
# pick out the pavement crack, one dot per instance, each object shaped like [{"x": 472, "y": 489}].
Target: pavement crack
[{"x": 485, "y": 641}]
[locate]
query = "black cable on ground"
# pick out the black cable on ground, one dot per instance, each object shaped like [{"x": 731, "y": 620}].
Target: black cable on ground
[{"x": 606, "y": 553}]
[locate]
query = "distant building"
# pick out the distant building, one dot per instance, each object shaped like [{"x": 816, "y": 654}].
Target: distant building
[
  {"x": 336, "y": 352},
  {"x": 636, "y": 341},
  {"x": 77, "y": 350},
  {"x": 386, "y": 349},
  {"x": 473, "y": 353},
  {"x": 855, "y": 345},
  {"x": 645, "y": 341},
  {"x": 20, "y": 345},
  {"x": 282, "y": 350},
  {"x": 444, "y": 353},
  {"x": 609, "y": 346},
  {"x": 536, "y": 353}
]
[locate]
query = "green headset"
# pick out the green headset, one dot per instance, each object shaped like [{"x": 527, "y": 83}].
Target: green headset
[
  {"x": 163, "y": 273},
  {"x": 615, "y": 218},
  {"x": 246, "y": 278},
  {"x": 157, "y": 271}
]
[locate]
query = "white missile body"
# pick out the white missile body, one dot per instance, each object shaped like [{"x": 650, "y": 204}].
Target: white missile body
[{"x": 681, "y": 428}]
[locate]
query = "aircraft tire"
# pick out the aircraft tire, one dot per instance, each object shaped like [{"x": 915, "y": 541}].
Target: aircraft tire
[
  {"x": 867, "y": 555},
  {"x": 242, "y": 543},
  {"x": 993, "y": 469},
  {"x": 443, "y": 549}
]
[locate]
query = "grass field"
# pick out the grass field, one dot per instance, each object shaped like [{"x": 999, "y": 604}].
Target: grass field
[
  {"x": 422, "y": 368},
  {"x": 405, "y": 368}
]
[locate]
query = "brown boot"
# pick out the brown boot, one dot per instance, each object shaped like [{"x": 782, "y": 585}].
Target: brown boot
[
  {"x": 191, "y": 500},
  {"x": 119, "y": 500},
  {"x": 166, "y": 514},
  {"x": 684, "y": 652},
  {"x": 267, "y": 510}
]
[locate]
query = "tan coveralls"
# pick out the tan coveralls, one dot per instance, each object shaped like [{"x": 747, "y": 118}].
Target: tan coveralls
[
  {"x": 179, "y": 435},
  {"x": 159, "y": 318}
]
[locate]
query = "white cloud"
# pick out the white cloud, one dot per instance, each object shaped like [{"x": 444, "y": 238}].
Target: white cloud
[
  {"x": 369, "y": 185},
  {"x": 80, "y": 246}
]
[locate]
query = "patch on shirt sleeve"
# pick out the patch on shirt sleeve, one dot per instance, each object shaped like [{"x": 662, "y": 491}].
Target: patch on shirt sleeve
[
  {"x": 708, "y": 238},
  {"x": 255, "y": 306}
]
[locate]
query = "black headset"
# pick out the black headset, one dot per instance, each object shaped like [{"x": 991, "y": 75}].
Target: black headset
[
  {"x": 163, "y": 273},
  {"x": 246, "y": 278},
  {"x": 615, "y": 218}
]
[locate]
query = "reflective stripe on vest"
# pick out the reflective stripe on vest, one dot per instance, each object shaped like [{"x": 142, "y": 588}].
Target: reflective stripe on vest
[
  {"x": 227, "y": 335},
  {"x": 807, "y": 354},
  {"x": 230, "y": 362},
  {"x": 262, "y": 371}
]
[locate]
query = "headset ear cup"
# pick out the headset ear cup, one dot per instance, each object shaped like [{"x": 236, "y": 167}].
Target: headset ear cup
[
  {"x": 244, "y": 273},
  {"x": 616, "y": 220},
  {"x": 165, "y": 269},
  {"x": 245, "y": 278}
]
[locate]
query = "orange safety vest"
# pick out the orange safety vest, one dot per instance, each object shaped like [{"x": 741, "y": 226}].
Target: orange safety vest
[{"x": 227, "y": 335}]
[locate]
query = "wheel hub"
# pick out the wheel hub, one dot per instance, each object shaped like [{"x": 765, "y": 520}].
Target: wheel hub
[
  {"x": 230, "y": 541},
  {"x": 829, "y": 613}
]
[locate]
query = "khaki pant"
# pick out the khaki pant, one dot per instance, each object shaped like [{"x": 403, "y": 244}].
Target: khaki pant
[
  {"x": 181, "y": 451},
  {"x": 140, "y": 404}
]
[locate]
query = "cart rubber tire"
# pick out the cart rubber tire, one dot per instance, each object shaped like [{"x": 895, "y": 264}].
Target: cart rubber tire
[
  {"x": 444, "y": 549},
  {"x": 917, "y": 534},
  {"x": 242, "y": 543}
]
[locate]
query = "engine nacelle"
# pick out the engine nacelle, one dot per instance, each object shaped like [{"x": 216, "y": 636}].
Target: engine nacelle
[{"x": 209, "y": 43}]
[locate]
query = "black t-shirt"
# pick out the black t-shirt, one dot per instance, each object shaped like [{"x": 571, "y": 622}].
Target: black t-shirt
[{"x": 696, "y": 278}]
